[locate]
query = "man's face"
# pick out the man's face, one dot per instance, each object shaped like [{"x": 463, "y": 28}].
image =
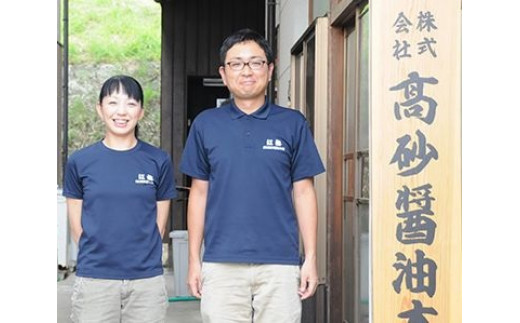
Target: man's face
[{"x": 247, "y": 83}]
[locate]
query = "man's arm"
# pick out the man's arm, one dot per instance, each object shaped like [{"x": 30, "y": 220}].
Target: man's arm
[
  {"x": 196, "y": 213},
  {"x": 306, "y": 208},
  {"x": 163, "y": 211},
  {"x": 74, "y": 213}
]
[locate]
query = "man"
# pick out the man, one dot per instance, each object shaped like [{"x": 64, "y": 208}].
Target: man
[{"x": 252, "y": 193}]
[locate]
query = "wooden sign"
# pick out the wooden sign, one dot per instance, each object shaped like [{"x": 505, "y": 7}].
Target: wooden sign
[{"x": 415, "y": 161}]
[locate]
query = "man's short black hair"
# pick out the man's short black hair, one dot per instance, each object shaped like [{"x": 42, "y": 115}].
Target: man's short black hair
[{"x": 244, "y": 35}]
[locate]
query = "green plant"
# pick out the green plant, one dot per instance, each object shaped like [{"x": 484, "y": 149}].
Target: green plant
[{"x": 108, "y": 37}]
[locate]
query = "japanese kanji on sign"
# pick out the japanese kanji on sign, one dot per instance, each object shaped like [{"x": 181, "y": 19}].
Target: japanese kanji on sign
[{"x": 415, "y": 113}]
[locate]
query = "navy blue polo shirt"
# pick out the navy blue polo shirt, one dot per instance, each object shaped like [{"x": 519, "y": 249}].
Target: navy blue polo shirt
[
  {"x": 251, "y": 162},
  {"x": 120, "y": 190}
]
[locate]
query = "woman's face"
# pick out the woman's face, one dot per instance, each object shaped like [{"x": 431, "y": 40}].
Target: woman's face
[{"x": 120, "y": 114}]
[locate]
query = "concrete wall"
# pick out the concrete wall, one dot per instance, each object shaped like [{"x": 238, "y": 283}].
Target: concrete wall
[{"x": 292, "y": 19}]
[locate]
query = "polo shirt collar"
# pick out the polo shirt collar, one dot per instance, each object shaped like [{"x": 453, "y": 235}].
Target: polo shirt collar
[{"x": 261, "y": 113}]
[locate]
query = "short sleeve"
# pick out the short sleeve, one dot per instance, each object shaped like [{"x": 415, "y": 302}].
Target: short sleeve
[
  {"x": 306, "y": 161},
  {"x": 194, "y": 160},
  {"x": 72, "y": 183},
  {"x": 166, "y": 186}
]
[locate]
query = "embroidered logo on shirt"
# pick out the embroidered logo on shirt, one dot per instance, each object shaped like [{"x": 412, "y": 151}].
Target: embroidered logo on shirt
[
  {"x": 273, "y": 144},
  {"x": 144, "y": 179}
]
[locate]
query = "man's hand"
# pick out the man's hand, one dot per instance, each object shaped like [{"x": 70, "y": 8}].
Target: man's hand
[
  {"x": 194, "y": 279},
  {"x": 308, "y": 280}
]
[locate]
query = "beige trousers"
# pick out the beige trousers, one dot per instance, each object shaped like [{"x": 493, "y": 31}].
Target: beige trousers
[
  {"x": 245, "y": 293},
  {"x": 114, "y": 301}
]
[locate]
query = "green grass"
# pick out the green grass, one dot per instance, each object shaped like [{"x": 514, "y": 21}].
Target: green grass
[
  {"x": 108, "y": 37},
  {"x": 110, "y": 31}
]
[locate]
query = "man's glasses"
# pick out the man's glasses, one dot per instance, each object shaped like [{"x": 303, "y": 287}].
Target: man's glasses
[{"x": 239, "y": 65}]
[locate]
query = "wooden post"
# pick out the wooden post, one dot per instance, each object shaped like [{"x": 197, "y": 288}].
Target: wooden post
[{"x": 415, "y": 160}]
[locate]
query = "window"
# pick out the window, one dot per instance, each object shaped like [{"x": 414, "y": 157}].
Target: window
[
  {"x": 309, "y": 80},
  {"x": 356, "y": 169},
  {"x": 304, "y": 62}
]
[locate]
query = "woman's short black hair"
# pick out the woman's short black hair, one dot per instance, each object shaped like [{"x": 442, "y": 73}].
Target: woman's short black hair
[
  {"x": 244, "y": 35},
  {"x": 124, "y": 83}
]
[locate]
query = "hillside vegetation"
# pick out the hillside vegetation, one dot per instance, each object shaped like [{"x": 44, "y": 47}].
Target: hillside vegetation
[{"x": 108, "y": 37}]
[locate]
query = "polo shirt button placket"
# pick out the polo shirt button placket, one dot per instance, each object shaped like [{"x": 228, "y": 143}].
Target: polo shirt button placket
[{"x": 247, "y": 133}]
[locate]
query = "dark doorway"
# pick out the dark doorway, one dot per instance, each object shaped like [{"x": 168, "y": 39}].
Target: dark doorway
[{"x": 203, "y": 93}]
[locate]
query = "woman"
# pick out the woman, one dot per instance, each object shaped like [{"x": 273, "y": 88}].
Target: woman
[{"x": 118, "y": 197}]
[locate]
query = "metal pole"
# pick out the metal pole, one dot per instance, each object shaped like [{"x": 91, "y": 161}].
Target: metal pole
[
  {"x": 65, "y": 131},
  {"x": 271, "y": 23}
]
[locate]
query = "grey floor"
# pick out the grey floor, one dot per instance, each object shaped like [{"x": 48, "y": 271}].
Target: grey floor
[{"x": 178, "y": 312}]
